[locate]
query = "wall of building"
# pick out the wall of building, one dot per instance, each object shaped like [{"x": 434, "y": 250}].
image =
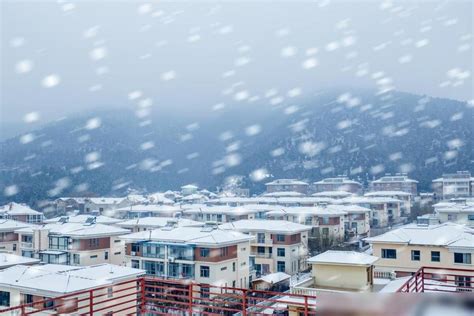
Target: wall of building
[{"x": 341, "y": 276}]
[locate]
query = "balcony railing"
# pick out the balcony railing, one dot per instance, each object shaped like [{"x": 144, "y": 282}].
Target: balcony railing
[
  {"x": 430, "y": 279},
  {"x": 153, "y": 296},
  {"x": 26, "y": 245}
]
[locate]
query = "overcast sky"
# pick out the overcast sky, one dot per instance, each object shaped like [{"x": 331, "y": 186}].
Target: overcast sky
[{"x": 59, "y": 58}]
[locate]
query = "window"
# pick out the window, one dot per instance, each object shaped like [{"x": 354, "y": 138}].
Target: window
[
  {"x": 224, "y": 252},
  {"x": 204, "y": 252},
  {"x": 135, "y": 264},
  {"x": 223, "y": 268},
  {"x": 117, "y": 253},
  {"x": 261, "y": 250},
  {"x": 452, "y": 217},
  {"x": 415, "y": 255},
  {"x": 4, "y": 298},
  {"x": 106, "y": 255},
  {"x": 470, "y": 217},
  {"x": 219, "y": 217},
  {"x": 110, "y": 292},
  {"x": 204, "y": 272},
  {"x": 464, "y": 281},
  {"x": 49, "y": 303},
  {"x": 14, "y": 247},
  {"x": 76, "y": 258},
  {"x": 280, "y": 266},
  {"x": 280, "y": 238},
  {"x": 27, "y": 298},
  {"x": 59, "y": 243},
  {"x": 135, "y": 248},
  {"x": 94, "y": 256},
  {"x": 389, "y": 254},
  {"x": 435, "y": 256},
  {"x": 94, "y": 243},
  {"x": 260, "y": 238},
  {"x": 280, "y": 252},
  {"x": 325, "y": 221},
  {"x": 233, "y": 266},
  {"x": 464, "y": 258}
]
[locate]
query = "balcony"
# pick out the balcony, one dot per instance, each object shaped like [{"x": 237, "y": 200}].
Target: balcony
[
  {"x": 429, "y": 279},
  {"x": 26, "y": 245},
  {"x": 154, "y": 296},
  {"x": 262, "y": 255}
]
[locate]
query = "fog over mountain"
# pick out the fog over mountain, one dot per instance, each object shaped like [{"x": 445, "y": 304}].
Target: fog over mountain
[{"x": 358, "y": 133}]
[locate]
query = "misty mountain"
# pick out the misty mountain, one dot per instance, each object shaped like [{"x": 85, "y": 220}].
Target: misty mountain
[{"x": 359, "y": 134}]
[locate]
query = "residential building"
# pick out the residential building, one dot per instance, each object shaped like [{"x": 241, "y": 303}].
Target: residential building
[
  {"x": 454, "y": 185},
  {"x": 73, "y": 243},
  {"x": 404, "y": 250},
  {"x": 105, "y": 205},
  {"x": 279, "y": 246},
  {"x": 204, "y": 254},
  {"x": 406, "y": 198},
  {"x": 277, "y": 282},
  {"x": 21, "y": 213},
  {"x": 338, "y": 184},
  {"x": 189, "y": 189},
  {"x": 148, "y": 210},
  {"x": 356, "y": 220},
  {"x": 456, "y": 211},
  {"x": 384, "y": 211},
  {"x": 64, "y": 205},
  {"x": 9, "y": 240},
  {"x": 150, "y": 223},
  {"x": 43, "y": 286},
  {"x": 220, "y": 214},
  {"x": 285, "y": 185},
  {"x": 398, "y": 182},
  {"x": 327, "y": 224}
]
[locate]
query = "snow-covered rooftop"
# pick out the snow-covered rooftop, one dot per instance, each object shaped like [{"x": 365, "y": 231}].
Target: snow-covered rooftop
[
  {"x": 157, "y": 222},
  {"x": 274, "y": 278},
  {"x": 446, "y": 234},
  {"x": 106, "y": 200},
  {"x": 150, "y": 208},
  {"x": 271, "y": 226},
  {"x": 343, "y": 258},
  {"x": 284, "y": 194},
  {"x": 8, "y": 260},
  {"x": 286, "y": 182},
  {"x": 387, "y": 193},
  {"x": 82, "y": 218},
  {"x": 78, "y": 230},
  {"x": 392, "y": 179},
  {"x": 315, "y": 210},
  {"x": 332, "y": 194},
  {"x": 191, "y": 236},
  {"x": 223, "y": 209},
  {"x": 9, "y": 225},
  {"x": 54, "y": 280},
  {"x": 338, "y": 180},
  {"x": 18, "y": 209}
]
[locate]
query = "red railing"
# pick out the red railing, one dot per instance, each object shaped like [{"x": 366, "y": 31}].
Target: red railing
[
  {"x": 431, "y": 279},
  {"x": 153, "y": 296}
]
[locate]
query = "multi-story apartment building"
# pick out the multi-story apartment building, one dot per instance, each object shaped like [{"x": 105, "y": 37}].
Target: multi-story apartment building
[
  {"x": 204, "y": 254},
  {"x": 398, "y": 182},
  {"x": 73, "y": 243},
  {"x": 82, "y": 219},
  {"x": 338, "y": 184},
  {"x": 43, "y": 286},
  {"x": 105, "y": 205},
  {"x": 384, "y": 211},
  {"x": 454, "y": 185},
  {"x": 327, "y": 224},
  {"x": 150, "y": 223},
  {"x": 458, "y": 211},
  {"x": 406, "y": 249},
  {"x": 356, "y": 220},
  {"x": 405, "y": 197},
  {"x": 148, "y": 210},
  {"x": 9, "y": 241},
  {"x": 285, "y": 185},
  {"x": 279, "y": 246},
  {"x": 21, "y": 213},
  {"x": 221, "y": 214}
]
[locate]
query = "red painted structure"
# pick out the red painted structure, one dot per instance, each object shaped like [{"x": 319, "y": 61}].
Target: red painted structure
[
  {"x": 431, "y": 279},
  {"x": 153, "y": 296}
]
